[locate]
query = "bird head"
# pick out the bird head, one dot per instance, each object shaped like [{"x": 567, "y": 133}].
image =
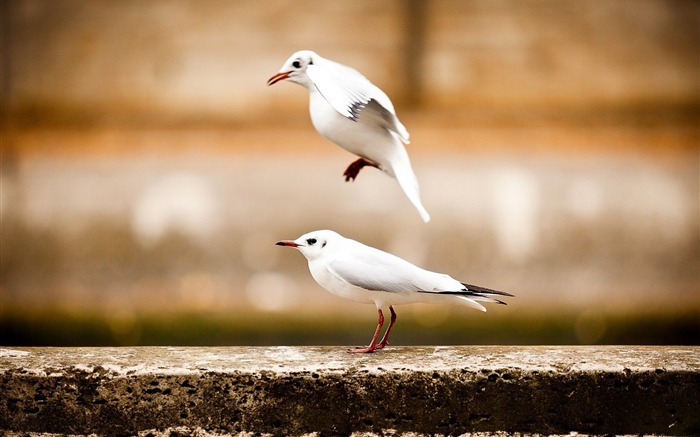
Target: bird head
[
  {"x": 313, "y": 244},
  {"x": 294, "y": 69}
]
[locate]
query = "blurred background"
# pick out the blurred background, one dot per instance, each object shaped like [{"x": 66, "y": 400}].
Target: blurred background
[{"x": 147, "y": 170}]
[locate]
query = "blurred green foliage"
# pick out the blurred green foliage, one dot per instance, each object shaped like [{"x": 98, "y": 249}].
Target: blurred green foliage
[{"x": 56, "y": 329}]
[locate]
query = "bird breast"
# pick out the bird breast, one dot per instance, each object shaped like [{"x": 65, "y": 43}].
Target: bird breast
[{"x": 337, "y": 286}]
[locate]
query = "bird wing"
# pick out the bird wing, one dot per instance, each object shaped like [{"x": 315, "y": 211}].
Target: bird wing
[
  {"x": 381, "y": 273},
  {"x": 373, "y": 269},
  {"x": 351, "y": 94},
  {"x": 370, "y": 276},
  {"x": 379, "y": 115}
]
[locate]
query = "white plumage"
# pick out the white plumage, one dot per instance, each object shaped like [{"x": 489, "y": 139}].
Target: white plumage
[
  {"x": 352, "y": 112},
  {"x": 361, "y": 273}
]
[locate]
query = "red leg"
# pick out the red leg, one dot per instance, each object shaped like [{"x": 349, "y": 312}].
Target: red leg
[
  {"x": 373, "y": 344},
  {"x": 354, "y": 169},
  {"x": 385, "y": 339}
]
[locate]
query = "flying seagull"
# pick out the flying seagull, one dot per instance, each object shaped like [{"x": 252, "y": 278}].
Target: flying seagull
[{"x": 352, "y": 112}]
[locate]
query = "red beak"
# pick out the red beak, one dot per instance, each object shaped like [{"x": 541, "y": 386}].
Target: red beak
[
  {"x": 277, "y": 77},
  {"x": 287, "y": 243}
]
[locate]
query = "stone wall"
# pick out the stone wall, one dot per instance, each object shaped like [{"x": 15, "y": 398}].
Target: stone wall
[{"x": 292, "y": 391}]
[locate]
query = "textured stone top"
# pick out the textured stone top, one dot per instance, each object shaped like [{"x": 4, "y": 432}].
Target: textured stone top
[{"x": 184, "y": 360}]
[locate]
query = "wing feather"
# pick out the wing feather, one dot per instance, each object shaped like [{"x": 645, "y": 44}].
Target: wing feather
[
  {"x": 353, "y": 95},
  {"x": 381, "y": 271},
  {"x": 371, "y": 276},
  {"x": 378, "y": 270}
]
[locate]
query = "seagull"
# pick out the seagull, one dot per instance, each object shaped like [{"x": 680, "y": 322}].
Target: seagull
[
  {"x": 354, "y": 271},
  {"x": 352, "y": 112}
]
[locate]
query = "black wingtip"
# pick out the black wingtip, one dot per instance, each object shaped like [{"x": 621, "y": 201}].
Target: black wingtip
[{"x": 485, "y": 290}]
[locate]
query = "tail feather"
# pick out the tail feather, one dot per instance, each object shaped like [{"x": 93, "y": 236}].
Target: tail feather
[
  {"x": 408, "y": 182},
  {"x": 488, "y": 299},
  {"x": 472, "y": 295},
  {"x": 481, "y": 294}
]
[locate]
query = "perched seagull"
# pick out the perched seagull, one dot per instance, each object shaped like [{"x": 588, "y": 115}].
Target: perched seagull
[
  {"x": 352, "y": 112},
  {"x": 360, "y": 273}
]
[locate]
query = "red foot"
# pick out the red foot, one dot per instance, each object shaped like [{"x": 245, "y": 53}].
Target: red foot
[
  {"x": 373, "y": 346},
  {"x": 354, "y": 169}
]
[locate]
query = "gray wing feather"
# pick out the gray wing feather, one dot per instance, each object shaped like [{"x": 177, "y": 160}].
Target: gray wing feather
[
  {"x": 379, "y": 115},
  {"x": 353, "y": 95},
  {"x": 343, "y": 88},
  {"x": 381, "y": 271},
  {"x": 377, "y": 271}
]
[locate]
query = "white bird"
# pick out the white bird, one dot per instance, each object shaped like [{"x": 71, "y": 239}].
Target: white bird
[
  {"x": 349, "y": 110},
  {"x": 361, "y": 273}
]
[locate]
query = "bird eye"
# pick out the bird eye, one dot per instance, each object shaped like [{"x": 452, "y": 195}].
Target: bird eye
[
  {"x": 296, "y": 64},
  {"x": 311, "y": 241}
]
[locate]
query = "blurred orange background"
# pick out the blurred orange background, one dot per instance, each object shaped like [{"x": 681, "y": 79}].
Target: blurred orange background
[{"x": 147, "y": 169}]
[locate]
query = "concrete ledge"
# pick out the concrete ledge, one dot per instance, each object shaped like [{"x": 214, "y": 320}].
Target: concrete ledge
[{"x": 297, "y": 390}]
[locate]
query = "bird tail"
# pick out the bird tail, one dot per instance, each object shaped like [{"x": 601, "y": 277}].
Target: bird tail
[
  {"x": 403, "y": 172},
  {"x": 473, "y": 294},
  {"x": 480, "y": 293}
]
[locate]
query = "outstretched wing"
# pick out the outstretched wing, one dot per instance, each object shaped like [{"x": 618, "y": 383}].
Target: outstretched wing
[{"x": 352, "y": 94}]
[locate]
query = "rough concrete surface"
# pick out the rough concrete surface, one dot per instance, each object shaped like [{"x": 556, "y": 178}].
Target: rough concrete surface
[{"x": 324, "y": 390}]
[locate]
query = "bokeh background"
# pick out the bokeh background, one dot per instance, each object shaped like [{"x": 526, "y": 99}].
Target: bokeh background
[{"x": 147, "y": 169}]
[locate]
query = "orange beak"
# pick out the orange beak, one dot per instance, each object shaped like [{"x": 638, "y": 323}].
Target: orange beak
[{"x": 277, "y": 77}]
